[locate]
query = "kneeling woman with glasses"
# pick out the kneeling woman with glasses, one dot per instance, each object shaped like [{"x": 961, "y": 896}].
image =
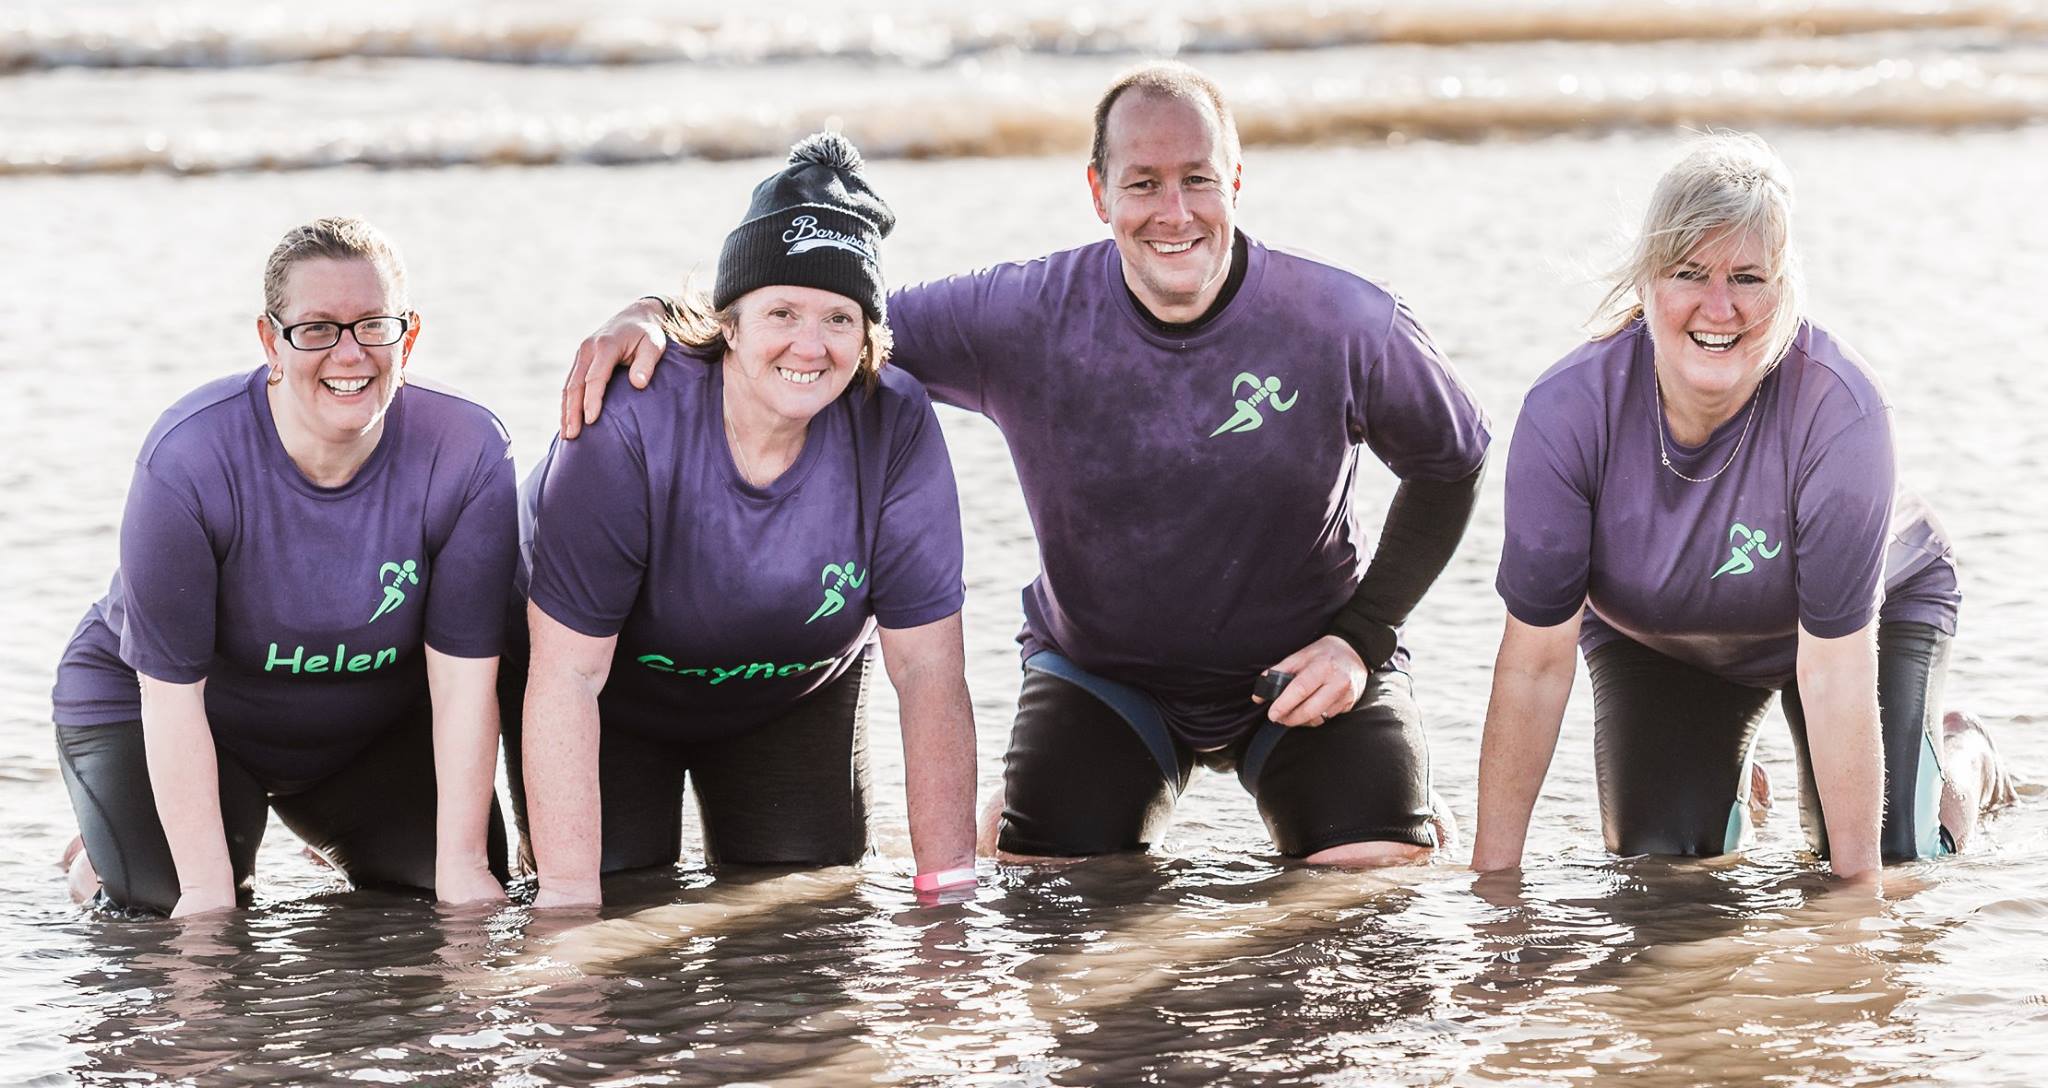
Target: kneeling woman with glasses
[{"x": 307, "y": 616}]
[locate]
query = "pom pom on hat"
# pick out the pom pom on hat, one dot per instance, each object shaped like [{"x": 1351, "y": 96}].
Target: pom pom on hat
[
  {"x": 814, "y": 223},
  {"x": 827, "y": 149}
]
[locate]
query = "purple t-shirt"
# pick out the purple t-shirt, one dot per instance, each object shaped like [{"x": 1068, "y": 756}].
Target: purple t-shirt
[
  {"x": 730, "y": 601},
  {"x": 1798, "y": 530},
  {"x": 1192, "y": 496},
  {"x": 304, "y": 608}
]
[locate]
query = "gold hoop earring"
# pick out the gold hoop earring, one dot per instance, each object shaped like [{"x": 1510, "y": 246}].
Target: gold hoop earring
[{"x": 276, "y": 376}]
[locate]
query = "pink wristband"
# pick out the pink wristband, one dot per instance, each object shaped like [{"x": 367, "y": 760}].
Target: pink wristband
[{"x": 943, "y": 879}]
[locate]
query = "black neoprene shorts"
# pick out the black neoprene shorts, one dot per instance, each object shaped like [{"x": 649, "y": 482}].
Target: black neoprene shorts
[
  {"x": 373, "y": 819},
  {"x": 790, "y": 791},
  {"x": 1672, "y": 746},
  {"x": 1082, "y": 778}
]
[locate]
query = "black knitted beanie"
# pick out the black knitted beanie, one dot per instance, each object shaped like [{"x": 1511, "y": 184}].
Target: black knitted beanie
[{"x": 815, "y": 223}]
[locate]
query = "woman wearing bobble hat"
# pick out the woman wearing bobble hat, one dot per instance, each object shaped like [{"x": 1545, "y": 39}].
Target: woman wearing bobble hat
[{"x": 707, "y": 563}]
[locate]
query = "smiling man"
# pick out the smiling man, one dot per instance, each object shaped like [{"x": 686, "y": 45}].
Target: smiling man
[{"x": 1185, "y": 407}]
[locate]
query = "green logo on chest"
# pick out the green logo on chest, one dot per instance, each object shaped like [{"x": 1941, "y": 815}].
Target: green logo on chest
[
  {"x": 1249, "y": 416},
  {"x": 393, "y": 577},
  {"x": 837, "y": 577},
  {"x": 1745, "y": 547}
]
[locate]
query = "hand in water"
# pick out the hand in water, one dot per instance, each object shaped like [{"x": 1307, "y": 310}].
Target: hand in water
[
  {"x": 553, "y": 896},
  {"x": 196, "y": 901},
  {"x": 467, "y": 884},
  {"x": 1328, "y": 679},
  {"x": 632, "y": 337},
  {"x": 1861, "y": 882}
]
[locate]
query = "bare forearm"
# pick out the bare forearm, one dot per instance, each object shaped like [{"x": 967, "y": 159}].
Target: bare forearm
[
  {"x": 1844, "y": 742},
  {"x": 465, "y": 762},
  {"x": 559, "y": 749},
  {"x": 464, "y": 766},
  {"x": 938, "y": 762},
  {"x": 183, "y": 775},
  {"x": 928, "y": 666},
  {"x": 1838, "y": 688},
  {"x": 1522, "y": 719}
]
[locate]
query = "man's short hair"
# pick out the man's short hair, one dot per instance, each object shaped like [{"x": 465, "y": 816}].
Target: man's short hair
[{"x": 1170, "y": 79}]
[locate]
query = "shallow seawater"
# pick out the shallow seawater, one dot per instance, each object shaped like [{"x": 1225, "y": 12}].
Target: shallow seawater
[{"x": 1208, "y": 961}]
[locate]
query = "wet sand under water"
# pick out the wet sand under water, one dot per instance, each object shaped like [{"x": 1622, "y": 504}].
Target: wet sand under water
[{"x": 1204, "y": 962}]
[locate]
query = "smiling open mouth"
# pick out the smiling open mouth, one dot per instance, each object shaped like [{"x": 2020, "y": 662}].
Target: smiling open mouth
[
  {"x": 1715, "y": 341},
  {"x": 1171, "y": 247},
  {"x": 345, "y": 387},
  {"x": 800, "y": 377}
]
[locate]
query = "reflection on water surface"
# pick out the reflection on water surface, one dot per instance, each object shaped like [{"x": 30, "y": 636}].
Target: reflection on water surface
[{"x": 1124, "y": 970}]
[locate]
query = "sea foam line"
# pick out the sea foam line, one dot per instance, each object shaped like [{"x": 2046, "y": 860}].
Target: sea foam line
[
  {"x": 196, "y": 37},
  {"x": 1891, "y": 94}
]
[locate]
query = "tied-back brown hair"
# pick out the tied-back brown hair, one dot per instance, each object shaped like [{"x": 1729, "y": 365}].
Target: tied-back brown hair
[{"x": 338, "y": 238}]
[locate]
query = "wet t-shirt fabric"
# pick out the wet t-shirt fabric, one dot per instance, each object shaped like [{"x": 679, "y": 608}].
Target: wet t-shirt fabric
[
  {"x": 304, "y": 608},
  {"x": 1796, "y": 528},
  {"x": 1192, "y": 495},
  {"x": 731, "y": 602}
]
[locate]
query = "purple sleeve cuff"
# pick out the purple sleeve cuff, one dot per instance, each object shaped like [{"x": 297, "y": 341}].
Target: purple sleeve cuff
[
  {"x": 899, "y": 619},
  {"x": 472, "y": 586},
  {"x": 592, "y": 527},
  {"x": 169, "y": 577},
  {"x": 1536, "y": 615}
]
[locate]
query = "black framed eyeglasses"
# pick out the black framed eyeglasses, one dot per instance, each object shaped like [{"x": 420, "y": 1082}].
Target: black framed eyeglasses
[{"x": 381, "y": 330}]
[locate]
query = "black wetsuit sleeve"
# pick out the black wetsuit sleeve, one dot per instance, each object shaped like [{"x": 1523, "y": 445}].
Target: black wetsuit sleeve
[{"x": 1424, "y": 524}]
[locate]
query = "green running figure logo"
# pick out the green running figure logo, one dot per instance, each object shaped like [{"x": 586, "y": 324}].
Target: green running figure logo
[
  {"x": 397, "y": 575},
  {"x": 1248, "y": 417},
  {"x": 1751, "y": 540},
  {"x": 836, "y": 576}
]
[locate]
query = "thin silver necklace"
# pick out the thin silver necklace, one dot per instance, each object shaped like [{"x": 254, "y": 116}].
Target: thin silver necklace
[
  {"x": 1664, "y": 455},
  {"x": 740, "y": 454}
]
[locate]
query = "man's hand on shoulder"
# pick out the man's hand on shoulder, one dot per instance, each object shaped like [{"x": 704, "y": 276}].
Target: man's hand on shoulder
[
  {"x": 633, "y": 338},
  {"x": 1328, "y": 679}
]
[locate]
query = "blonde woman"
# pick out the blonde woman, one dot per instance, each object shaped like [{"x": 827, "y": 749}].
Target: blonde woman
[{"x": 1702, "y": 500}]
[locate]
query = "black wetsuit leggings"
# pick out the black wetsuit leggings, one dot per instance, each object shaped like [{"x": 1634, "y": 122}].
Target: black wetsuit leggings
[
  {"x": 373, "y": 819},
  {"x": 1672, "y": 746},
  {"x": 1080, "y": 778},
  {"x": 790, "y": 791}
]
